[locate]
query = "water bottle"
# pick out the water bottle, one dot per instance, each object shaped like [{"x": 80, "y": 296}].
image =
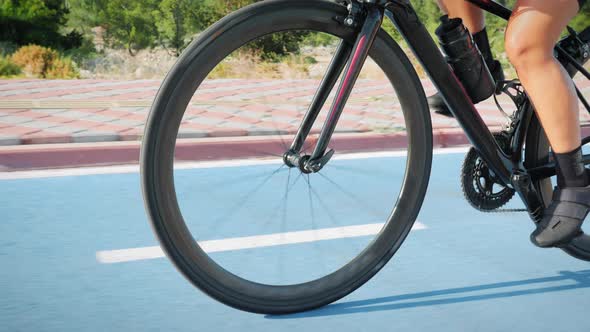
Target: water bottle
[{"x": 465, "y": 59}]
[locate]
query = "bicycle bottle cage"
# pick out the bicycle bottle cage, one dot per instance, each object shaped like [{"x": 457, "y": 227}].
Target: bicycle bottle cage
[{"x": 577, "y": 44}]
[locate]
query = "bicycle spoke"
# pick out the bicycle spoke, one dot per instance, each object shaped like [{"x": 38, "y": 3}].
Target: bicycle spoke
[
  {"x": 357, "y": 170},
  {"x": 352, "y": 196},
  {"x": 285, "y": 200},
  {"x": 277, "y": 207},
  {"x": 246, "y": 198},
  {"x": 333, "y": 219},
  {"x": 283, "y": 143},
  {"x": 280, "y": 257},
  {"x": 241, "y": 179},
  {"x": 255, "y": 151},
  {"x": 311, "y": 210},
  {"x": 313, "y": 220}
]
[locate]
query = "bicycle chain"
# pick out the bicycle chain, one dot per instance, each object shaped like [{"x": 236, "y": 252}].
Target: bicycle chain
[{"x": 505, "y": 210}]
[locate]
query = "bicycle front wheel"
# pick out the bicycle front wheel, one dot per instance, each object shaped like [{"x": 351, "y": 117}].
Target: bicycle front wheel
[{"x": 245, "y": 228}]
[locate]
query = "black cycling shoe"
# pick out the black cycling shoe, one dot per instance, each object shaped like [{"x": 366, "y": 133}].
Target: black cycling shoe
[
  {"x": 563, "y": 218},
  {"x": 438, "y": 105}
]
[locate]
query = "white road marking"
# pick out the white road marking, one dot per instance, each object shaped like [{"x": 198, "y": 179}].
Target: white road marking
[
  {"x": 127, "y": 169},
  {"x": 249, "y": 242}
]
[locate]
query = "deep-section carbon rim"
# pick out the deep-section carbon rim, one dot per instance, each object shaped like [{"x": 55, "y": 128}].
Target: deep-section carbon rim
[{"x": 158, "y": 159}]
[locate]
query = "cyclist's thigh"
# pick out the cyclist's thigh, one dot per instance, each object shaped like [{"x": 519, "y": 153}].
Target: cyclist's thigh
[{"x": 538, "y": 23}]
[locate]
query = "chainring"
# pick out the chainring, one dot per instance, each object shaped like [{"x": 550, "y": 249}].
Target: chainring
[{"x": 480, "y": 187}]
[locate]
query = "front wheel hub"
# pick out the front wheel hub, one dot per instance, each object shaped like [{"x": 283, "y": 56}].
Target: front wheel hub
[
  {"x": 294, "y": 160},
  {"x": 303, "y": 165}
]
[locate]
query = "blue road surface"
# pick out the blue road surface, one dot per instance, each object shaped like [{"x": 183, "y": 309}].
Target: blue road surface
[{"x": 462, "y": 271}]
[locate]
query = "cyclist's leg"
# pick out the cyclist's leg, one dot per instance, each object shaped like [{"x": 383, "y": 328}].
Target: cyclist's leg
[
  {"x": 472, "y": 16},
  {"x": 474, "y": 19},
  {"x": 532, "y": 32}
]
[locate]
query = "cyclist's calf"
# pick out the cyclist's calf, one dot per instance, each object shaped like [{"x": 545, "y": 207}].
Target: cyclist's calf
[{"x": 530, "y": 38}]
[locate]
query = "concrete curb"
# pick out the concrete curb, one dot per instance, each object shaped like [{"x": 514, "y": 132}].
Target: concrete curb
[
  {"x": 18, "y": 158},
  {"x": 44, "y": 156}
]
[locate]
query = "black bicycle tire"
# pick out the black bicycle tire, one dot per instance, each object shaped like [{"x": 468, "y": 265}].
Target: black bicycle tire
[{"x": 158, "y": 151}]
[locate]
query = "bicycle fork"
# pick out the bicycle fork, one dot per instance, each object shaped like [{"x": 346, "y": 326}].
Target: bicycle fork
[{"x": 353, "y": 57}]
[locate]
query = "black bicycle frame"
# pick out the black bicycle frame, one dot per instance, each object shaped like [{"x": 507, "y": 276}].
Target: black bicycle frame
[
  {"x": 406, "y": 20},
  {"x": 367, "y": 16},
  {"x": 508, "y": 169}
]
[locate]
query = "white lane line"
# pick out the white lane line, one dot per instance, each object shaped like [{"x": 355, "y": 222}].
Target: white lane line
[
  {"x": 249, "y": 242},
  {"x": 127, "y": 169}
]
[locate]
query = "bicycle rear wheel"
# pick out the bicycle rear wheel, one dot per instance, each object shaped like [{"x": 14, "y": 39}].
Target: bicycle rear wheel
[{"x": 275, "y": 247}]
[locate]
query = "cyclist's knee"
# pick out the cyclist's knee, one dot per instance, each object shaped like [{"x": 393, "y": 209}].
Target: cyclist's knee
[{"x": 523, "y": 52}]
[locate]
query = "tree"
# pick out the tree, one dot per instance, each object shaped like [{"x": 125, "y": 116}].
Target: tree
[
  {"x": 172, "y": 26},
  {"x": 206, "y": 12},
  {"x": 130, "y": 23},
  {"x": 86, "y": 14},
  {"x": 35, "y": 22},
  {"x": 582, "y": 21},
  {"x": 225, "y": 7},
  {"x": 50, "y": 14},
  {"x": 180, "y": 20}
]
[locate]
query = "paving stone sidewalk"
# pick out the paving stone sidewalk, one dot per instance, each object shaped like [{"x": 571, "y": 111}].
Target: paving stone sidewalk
[{"x": 62, "y": 111}]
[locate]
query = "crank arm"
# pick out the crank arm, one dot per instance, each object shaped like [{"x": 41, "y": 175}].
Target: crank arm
[{"x": 548, "y": 170}]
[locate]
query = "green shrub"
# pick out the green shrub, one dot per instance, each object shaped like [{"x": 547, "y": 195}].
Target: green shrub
[
  {"x": 320, "y": 39},
  {"x": 309, "y": 60},
  {"x": 72, "y": 40},
  {"x": 276, "y": 46},
  {"x": 8, "y": 68},
  {"x": 86, "y": 52}
]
